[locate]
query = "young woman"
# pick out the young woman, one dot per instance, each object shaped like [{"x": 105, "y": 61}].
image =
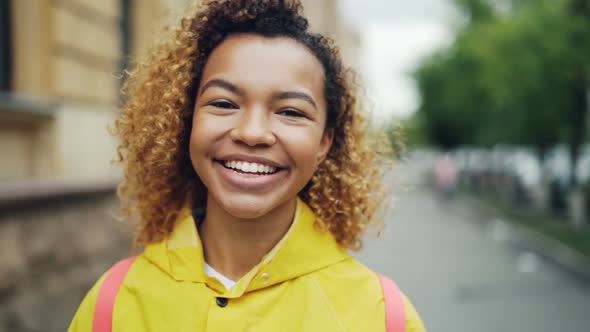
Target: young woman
[{"x": 248, "y": 171}]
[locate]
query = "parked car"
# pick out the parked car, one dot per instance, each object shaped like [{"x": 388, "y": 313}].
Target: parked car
[{"x": 524, "y": 169}]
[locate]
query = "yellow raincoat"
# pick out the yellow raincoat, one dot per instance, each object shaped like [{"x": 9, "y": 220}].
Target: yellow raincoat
[{"x": 305, "y": 283}]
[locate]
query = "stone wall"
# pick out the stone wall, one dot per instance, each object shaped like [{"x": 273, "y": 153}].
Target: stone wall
[{"x": 51, "y": 253}]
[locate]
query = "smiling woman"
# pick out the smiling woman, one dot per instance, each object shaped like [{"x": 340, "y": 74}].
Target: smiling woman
[
  {"x": 248, "y": 170},
  {"x": 271, "y": 119}
]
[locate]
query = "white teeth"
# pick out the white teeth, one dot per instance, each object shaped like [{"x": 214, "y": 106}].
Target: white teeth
[{"x": 247, "y": 167}]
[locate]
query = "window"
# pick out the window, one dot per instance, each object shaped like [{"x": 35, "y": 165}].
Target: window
[
  {"x": 5, "y": 46},
  {"x": 125, "y": 33}
]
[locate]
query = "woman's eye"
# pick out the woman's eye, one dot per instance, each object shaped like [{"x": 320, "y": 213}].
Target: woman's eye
[
  {"x": 291, "y": 113},
  {"x": 223, "y": 104}
]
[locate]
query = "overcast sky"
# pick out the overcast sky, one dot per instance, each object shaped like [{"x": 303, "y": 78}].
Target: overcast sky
[{"x": 396, "y": 35}]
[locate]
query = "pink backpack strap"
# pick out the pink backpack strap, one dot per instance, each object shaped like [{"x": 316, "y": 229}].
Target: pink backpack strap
[
  {"x": 103, "y": 312},
  {"x": 395, "y": 311}
]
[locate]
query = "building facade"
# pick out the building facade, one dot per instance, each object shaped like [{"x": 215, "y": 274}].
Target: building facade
[{"x": 60, "y": 88}]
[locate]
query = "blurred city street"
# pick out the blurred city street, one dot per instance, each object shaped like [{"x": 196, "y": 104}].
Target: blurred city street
[
  {"x": 460, "y": 277},
  {"x": 493, "y": 106}
]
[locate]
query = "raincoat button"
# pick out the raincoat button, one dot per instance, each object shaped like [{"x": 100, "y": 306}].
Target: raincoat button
[
  {"x": 221, "y": 301},
  {"x": 264, "y": 278}
]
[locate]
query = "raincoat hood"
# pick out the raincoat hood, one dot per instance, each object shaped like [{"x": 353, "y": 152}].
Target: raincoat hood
[{"x": 302, "y": 250}]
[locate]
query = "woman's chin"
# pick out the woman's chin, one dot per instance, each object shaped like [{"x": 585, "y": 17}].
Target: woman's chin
[
  {"x": 250, "y": 206},
  {"x": 246, "y": 209},
  {"x": 246, "y": 212}
]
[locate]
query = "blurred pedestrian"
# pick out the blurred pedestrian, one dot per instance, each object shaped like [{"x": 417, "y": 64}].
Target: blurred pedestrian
[
  {"x": 247, "y": 168},
  {"x": 445, "y": 176}
]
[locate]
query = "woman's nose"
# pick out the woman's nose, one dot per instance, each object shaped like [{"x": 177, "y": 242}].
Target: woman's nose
[{"x": 254, "y": 128}]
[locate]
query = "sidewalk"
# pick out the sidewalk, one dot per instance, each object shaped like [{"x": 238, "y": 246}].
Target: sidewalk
[{"x": 520, "y": 234}]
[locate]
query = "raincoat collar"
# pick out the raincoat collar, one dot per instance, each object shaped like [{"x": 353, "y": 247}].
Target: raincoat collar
[{"x": 302, "y": 250}]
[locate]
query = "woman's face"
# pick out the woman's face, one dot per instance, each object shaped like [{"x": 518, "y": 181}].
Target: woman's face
[{"x": 258, "y": 126}]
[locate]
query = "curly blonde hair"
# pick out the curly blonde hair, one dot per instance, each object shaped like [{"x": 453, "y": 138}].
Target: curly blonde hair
[{"x": 154, "y": 126}]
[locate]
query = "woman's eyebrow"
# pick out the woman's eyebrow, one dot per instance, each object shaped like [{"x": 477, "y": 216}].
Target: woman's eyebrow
[
  {"x": 297, "y": 95},
  {"x": 220, "y": 83}
]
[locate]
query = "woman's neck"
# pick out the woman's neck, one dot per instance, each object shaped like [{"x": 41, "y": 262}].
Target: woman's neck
[{"x": 233, "y": 246}]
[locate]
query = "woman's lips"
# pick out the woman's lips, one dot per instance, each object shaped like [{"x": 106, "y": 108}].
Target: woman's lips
[
  {"x": 249, "y": 167},
  {"x": 249, "y": 181}
]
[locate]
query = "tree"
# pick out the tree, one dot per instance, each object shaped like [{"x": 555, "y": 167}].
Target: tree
[
  {"x": 579, "y": 40},
  {"x": 517, "y": 77},
  {"x": 476, "y": 10},
  {"x": 453, "y": 110}
]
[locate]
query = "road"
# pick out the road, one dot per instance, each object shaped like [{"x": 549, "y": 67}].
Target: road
[{"x": 461, "y": 277}]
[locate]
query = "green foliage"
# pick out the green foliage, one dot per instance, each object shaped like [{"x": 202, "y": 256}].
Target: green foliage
[
  {"x": 396, "y": 135},
  {"x": 476, "y": 10},
  {"x": 451, "y": 116},
  {"x": 511, "y": 76},
  {"x": 413, "y": 133}
]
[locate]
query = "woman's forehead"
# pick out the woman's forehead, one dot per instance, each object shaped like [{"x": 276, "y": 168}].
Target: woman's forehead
[{"x": 254, "y": 60}]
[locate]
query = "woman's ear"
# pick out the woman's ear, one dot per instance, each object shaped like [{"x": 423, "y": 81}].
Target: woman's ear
[{"x": 325, "y": 146}]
